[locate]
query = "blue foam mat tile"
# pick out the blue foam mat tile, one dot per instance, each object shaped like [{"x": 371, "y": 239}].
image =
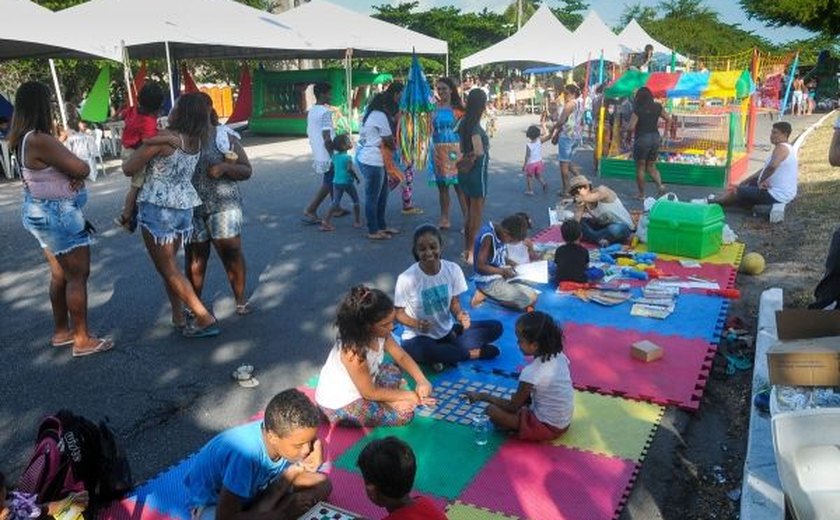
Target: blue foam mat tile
[
  {"x": 166, "y": 493},
  {"x": 695, "y": 316}
]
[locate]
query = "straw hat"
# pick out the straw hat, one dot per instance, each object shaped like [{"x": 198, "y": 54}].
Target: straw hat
[{"x": 578, "y": 181}]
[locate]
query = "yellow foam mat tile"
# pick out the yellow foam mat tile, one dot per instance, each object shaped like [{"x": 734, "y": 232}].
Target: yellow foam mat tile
[
  {"x": 462, "y": 511},
  {"x": 729, "y": 254},
  {"x": 613, "y": 426}
]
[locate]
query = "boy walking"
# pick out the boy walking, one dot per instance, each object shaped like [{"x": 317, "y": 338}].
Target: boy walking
[
  {"x": 321, "y": 132},
  {"x": 263, "y": 470}
]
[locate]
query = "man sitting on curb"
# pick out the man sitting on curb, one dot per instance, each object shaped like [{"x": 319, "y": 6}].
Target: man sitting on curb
[{"x": 775, "y": 183}]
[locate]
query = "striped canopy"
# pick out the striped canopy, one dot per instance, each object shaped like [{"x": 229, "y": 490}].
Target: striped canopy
[{"x": 727, "y": 84}]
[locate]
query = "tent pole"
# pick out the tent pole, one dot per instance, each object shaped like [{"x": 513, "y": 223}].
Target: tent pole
[
  {"x": 601, "y": 68},
  {"x": 169, "y": 74},
  {"x": 61, "y": 109},
  {"x": 787, "y": 88},
  {"x": 129, "y": 85},
  {"x": 348, "y": 87}
]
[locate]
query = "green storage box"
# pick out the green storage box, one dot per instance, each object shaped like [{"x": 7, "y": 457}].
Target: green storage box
[{"x": 685, "y": 229}]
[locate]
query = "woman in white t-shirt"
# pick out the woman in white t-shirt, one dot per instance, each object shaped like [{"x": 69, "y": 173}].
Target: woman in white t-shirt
[
  {"x": 546, "y": 381},
  {"x": 427, "y": 304},
  {"x": 375, "y": 131}
]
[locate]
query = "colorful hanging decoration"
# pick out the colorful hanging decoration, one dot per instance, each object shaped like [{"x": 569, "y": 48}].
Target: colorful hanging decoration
[
  {"x": 414, "y": 130},
  {"x": 96, "y": 105},
  {"x": 723, "y": 84}
]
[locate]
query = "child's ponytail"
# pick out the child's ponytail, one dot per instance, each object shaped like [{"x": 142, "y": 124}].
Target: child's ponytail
[{"x": 360, "y": 310}]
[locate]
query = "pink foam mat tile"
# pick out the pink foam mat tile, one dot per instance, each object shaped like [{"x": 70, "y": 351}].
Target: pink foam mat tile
[
  {"x": 336, "y": 439},
  {"x": 349, "y": 493},
  {"x": 131, "y": 509},
  {"x": 539, "y": 481},
  {"x": 723, "y": 274},
  {"x": 601, "y": 362}
]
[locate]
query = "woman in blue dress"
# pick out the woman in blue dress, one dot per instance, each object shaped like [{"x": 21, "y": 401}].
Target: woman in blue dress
[{"x": 445, "y": 140}]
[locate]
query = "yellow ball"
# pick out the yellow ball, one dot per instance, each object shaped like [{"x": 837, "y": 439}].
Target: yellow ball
[{"x": 752, "y": 263}]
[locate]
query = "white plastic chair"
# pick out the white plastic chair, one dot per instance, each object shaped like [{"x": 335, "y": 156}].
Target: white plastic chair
[{"x": 807, "y": 444}]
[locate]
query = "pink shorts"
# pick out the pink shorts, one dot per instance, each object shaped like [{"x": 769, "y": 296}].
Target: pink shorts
[
  {"x": 532, "y": 429},
  {"x": 534, "y": 169}
]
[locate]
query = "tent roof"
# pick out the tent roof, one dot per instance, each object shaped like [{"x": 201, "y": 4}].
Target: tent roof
[
  {"x": 530, "y": 44},
  {"x": 331, "y": 29},
  {"x": 592, "y": 36},
  {"x": 229, "y": 29},
  {"x": 634, "y": 38},
  {"x": 32, "y": 31}
]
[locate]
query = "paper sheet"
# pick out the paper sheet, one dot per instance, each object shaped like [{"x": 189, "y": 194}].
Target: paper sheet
[{"x": 536, "y": 272}]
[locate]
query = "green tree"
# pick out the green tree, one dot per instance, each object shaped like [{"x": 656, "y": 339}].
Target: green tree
[
  {"x": 642, "y": 14},
  {"x": 529, "y": 7},
  {"x": 822, "y": 16},
  {"x": 571, "y": 13}
]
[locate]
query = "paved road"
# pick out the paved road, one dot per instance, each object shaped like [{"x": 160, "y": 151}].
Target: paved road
[{"x": 167, "y": 395}]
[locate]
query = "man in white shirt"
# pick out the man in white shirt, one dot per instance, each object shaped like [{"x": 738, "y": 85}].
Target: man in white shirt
[
  {"x": 776, "y": 182},
  {"x": 319, "y": 128}
]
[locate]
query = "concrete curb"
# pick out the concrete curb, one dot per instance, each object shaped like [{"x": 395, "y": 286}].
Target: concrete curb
[
  {"x": 762, "y": 497},
  {"x": 801, "y": 138}
]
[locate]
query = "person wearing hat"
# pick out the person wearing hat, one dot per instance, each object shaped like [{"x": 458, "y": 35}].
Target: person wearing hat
[{"x": 603, "y": 218}]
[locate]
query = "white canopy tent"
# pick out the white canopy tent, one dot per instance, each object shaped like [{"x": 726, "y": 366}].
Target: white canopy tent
[
  {"x": 331, "y": 30},
  {"x": 594, "y": 36},
  {"x": 225, "y": 29},
  {"x": 543, "y": 39},
  {"x": 32, "y": 31},
  {"x": 634, "y": 39}
]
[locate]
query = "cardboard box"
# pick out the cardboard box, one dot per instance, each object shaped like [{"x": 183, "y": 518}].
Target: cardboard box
[
  {"x": 645, "y": 351},
  {"x": 808, "y": 350}
]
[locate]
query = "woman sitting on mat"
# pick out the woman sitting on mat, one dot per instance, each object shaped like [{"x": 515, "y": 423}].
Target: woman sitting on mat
[
  {"x": 426, "y": 299},
  {"x": 603, "y": 218},
  {"x": 356, "y": 386},
  {"x": 546, "y": 382}
]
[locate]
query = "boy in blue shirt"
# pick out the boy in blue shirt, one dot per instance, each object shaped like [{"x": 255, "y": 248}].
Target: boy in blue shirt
[{"x": 263, "y": 470}]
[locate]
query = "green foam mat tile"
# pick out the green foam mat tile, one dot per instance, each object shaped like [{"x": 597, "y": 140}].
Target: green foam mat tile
[
  {"x": 613, "y": 426},
  {"x": 461, "y": 511},
  {"x": 447, "y": 457}
]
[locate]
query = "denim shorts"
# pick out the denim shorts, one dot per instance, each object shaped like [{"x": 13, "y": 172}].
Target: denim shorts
[
  {"x": 165, "y": 224},
  {"x": 338, "y": 192},
  {"x": 566, "y": 147},
  {"x": 646, "y": 147},
  {"x": 515, "y": 294},
  {"x": 217, "y": 226},
  {"x": 59, "y": 225}
]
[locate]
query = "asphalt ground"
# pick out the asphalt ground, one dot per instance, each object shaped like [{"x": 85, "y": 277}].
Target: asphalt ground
[{"x": 166, "y": 395}]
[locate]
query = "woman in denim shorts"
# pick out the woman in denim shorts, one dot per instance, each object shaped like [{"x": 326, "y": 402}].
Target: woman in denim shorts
[
  {"x": 645, "y": 123},
  {"x": 166, "y": 202},
  {"x": 53, "y": 197},
  {"x": 219, "y": 217}
]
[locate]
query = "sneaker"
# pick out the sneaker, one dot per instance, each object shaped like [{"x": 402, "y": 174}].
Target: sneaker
[{"x": 489, "y": 352}]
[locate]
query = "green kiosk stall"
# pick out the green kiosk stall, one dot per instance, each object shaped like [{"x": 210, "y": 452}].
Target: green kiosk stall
[{"x": 280, "y": 101}]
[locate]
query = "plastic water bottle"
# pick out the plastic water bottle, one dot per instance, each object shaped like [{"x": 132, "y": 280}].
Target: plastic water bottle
[{"x": 481, "y": 429}]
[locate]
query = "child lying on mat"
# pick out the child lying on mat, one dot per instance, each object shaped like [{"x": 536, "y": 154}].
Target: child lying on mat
[
  {"x": 546, "y": 381},
  {"x": 493, "y": 268},
  {"x": 388, "y": 468},
  {"x": 266, "y": 469},
  {"x": 355, "y": 385}
]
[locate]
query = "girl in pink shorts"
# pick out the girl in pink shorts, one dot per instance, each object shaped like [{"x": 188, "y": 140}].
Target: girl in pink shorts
[
  {"x": 533, "y": 164},
  {"x": 546, "y": 382}
]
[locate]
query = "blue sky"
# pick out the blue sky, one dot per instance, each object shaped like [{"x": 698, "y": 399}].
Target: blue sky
[{"x": 609, "y": 10}]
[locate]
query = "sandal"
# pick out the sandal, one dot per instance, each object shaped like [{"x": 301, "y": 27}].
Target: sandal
[
  {"x": 326, "y": 227},
  {"x": 102, "y": 345},
  {"x": 390, "y": 231},
  {"x": 62, "y": 342},
  {"x": 378, "y": 236},
  {"x": 243, "y": 308},
  {"x": 207, "y": 332},
  {"x": 310, "y": 220}
]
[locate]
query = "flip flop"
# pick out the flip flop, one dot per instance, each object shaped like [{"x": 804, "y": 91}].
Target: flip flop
[
  {"x": 206, "y": 332},
  {"x": 243, "y": 308},
  {"x": 378, "y": 236},
  {"x": 310, "y": 220},
  {"x": 62, "y": 343},
  {"x": 102, "y": 345}
]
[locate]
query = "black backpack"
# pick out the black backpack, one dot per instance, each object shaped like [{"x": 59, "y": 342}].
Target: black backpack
[{"x": 72, "y": 454}]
